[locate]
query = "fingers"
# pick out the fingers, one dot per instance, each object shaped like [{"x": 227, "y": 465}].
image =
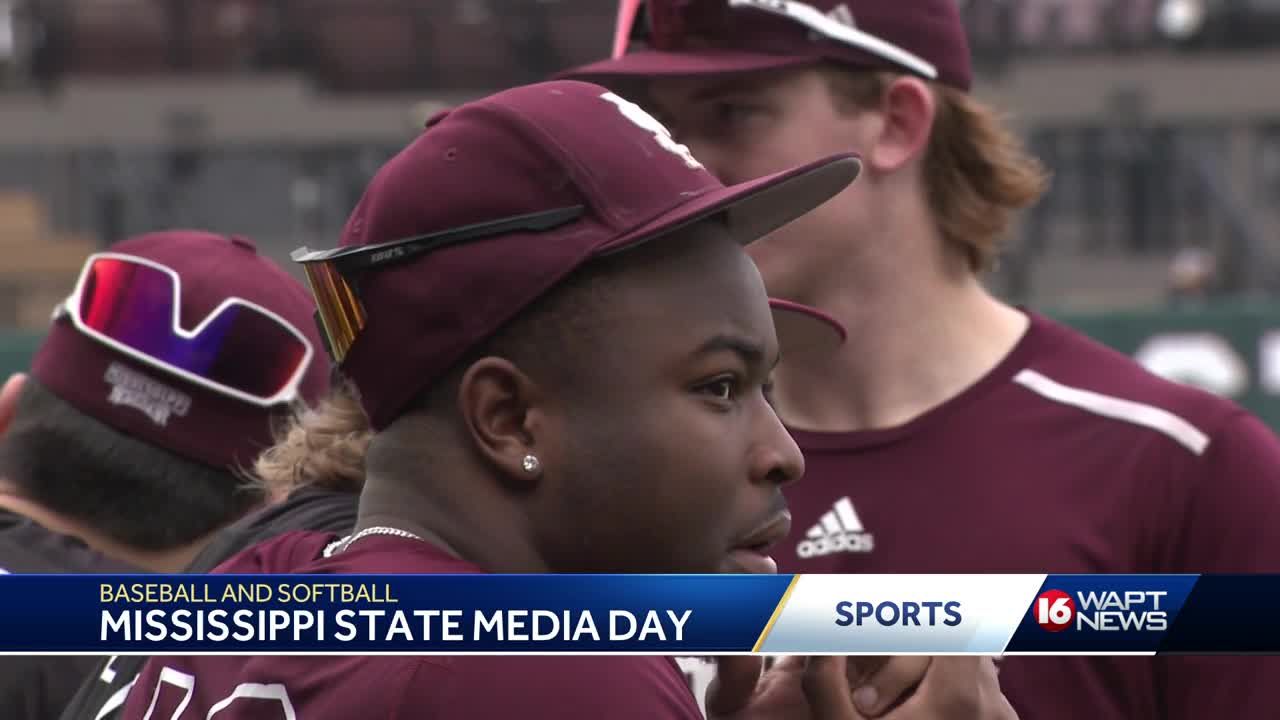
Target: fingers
[
  {"x": 9, "y": 399},
  {"x": 826, "y": 687},
  {"x": 890, "y": 684},
  {"x": 735, "y": 682},
  {"x": 789, "y": 664},
  {"x": 960, "y": 683},
  {"x": 958, "y": 687},
  {"x": 993, "y": 704},
  {"x": 862, "y": 667}
]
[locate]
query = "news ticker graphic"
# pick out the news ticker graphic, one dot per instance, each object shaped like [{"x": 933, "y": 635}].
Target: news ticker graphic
[{"x": 654, "y": 614}]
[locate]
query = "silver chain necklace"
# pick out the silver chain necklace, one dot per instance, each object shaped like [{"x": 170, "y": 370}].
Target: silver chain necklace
[{"x": 338, "y": 546}]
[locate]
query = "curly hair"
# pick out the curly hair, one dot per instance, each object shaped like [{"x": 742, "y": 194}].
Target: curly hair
[{"x": 321, "y": 447}]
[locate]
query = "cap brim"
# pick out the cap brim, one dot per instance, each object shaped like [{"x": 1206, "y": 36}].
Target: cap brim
[
  {"x": 804, "y": 329},
  {"x": 655, "y": 64},
  {"x": 755, "y": 208}
]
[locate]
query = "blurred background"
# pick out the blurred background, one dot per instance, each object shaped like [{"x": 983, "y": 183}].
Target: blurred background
[{"x": 1159, "y": 118}]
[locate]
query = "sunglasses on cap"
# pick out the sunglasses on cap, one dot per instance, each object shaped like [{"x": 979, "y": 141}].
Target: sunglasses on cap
[
  {"x": 676, "y": 25},
  {"x": 334, "y": 274},
  {"x": 241, "y": 349}
]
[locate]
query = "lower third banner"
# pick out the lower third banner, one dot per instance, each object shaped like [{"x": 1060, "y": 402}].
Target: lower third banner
[{"x": 651, "y": 614}]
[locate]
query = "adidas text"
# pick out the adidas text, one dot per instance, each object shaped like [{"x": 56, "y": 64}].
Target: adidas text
[
  {"x": 839, "y": 530},
  {"x": 853, "y": 542}
]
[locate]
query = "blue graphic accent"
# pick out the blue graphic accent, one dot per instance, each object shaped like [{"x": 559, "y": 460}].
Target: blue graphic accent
[
  {"x": 677, "y": 614},
  {"x": 1104, "y": 613},
  {"x": 1228, "y": 614}
]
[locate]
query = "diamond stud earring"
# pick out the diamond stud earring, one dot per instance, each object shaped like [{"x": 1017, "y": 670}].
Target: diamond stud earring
[{"x": 530, "y": 464}]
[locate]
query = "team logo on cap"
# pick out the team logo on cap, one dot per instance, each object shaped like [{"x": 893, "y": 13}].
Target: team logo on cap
[
  {"x": 156, "y": 400},
  {"x": 645, "y": 121}
]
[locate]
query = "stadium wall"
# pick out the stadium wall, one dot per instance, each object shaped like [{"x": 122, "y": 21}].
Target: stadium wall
[{"x": 1232, "y": 349}]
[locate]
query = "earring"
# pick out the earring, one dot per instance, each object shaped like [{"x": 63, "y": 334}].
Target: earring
[{"x": 530, "y": 464}]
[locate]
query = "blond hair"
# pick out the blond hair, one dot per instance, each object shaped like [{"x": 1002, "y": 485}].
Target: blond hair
[
  {"x": 978, "y": 173},
  {"x": 320, "y": 447}
]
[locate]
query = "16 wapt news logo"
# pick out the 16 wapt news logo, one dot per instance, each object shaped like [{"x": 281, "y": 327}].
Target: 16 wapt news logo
[{"x": 1118, "y": 611}]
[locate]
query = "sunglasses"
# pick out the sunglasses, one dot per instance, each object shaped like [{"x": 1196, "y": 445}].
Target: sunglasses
[
  {"x": 333, "y": 275},
  {"x": 669, "y": 25},
  {"x": 241, "y": 349}
]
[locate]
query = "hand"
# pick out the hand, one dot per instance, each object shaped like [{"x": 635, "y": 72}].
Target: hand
[
  {"x": 795, "y": 688},
  {"x": 877, "y": 682},
  {"x": 827, "y": 688},
  {"x": 939, "y": 688}
]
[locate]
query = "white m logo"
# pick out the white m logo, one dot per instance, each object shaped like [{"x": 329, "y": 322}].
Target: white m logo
[{"x": 637, "y": 115}]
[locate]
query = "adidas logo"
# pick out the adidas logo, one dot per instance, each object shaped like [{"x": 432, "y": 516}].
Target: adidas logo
[{"x": 840, "y": 530}]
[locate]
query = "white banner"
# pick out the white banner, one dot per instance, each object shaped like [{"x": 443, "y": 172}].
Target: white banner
[{"x": 900, "y": 614}]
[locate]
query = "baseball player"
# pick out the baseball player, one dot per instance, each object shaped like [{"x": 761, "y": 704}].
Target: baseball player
[
  {"x": 493, "y": 335},
  {"x": 156, "y": 385},
  {"x": 953, "y": 433}
]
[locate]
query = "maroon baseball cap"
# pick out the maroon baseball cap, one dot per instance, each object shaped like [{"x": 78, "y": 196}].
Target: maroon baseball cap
[
  {"x": 560, "y": 173},
  {"x": 674, "y": 38},
  {"x": 148, "y": 395}
]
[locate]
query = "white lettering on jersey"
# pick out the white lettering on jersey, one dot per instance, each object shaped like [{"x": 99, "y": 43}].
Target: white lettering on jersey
[
  {"x": 115, "y": 701},
  {"x": 274, "y": 692},
  {"x": 169, "y": 676}
]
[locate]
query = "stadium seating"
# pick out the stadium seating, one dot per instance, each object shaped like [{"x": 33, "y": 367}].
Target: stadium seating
[{"x": 39, "y": 266}]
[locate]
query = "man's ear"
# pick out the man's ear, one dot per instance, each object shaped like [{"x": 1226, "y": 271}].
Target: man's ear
[
  {"x": 908, "y": 108},
  {"x": 9, "y": 395},
  {"x": 500, "y": 407}
]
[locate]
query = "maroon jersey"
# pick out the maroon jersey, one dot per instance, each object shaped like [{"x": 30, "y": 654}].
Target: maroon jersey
[
  {"x": 1067, "y": 458},
  {"x": 36, "y": 687},
  {"x": 396, "y": 687}
]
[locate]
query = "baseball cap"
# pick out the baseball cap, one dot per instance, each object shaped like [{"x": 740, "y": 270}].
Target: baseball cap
[
  {"x": 499, "y": 200},
  {"x": 674, "y": 38},
  {"x": 187, "y": 340}
]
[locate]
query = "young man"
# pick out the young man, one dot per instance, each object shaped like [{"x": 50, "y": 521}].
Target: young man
[
  {"x": 156, "y": 385},
  {"x": 564, "y": 355},
  {"x": 953, "y": 433},
  {"x": 316, "y": 469},
  {"x": 318, "y": 466}
]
